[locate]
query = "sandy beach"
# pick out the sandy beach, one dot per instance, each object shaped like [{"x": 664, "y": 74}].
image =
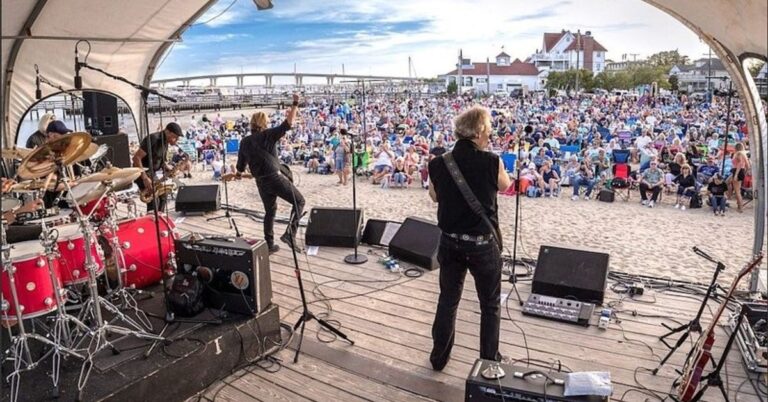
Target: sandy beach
[{"x": 640, "y": 240}]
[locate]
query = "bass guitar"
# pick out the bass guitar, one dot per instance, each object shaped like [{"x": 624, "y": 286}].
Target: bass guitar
[{"x": 702, "y": 352}]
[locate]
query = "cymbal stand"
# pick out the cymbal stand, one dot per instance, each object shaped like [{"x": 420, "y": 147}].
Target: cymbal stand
[
  {"x": 121, "y": 292},
  {"x": 19, "y": 350},
  {"x": 92, "y": 306}
]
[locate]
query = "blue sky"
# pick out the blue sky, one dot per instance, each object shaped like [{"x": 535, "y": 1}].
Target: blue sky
[{"x": 378, "y": 36}]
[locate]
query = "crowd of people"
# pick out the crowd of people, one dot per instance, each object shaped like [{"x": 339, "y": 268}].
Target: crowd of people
[{"x": 668, "y": 144}]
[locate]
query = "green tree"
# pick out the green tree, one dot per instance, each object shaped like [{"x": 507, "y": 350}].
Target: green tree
[
  {"x": 674, "y": 82},
  {"x": 755, "y": 67},
  {"x": 667, "y": 59},
  {"x": 452, "y": 88}
]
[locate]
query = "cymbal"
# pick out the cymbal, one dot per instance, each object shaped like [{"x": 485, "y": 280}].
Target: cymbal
[
  {"x": 42, "y": 160},
  {"x": 84, "y": 193},
  {"x": 16, "y": 153},
  {"x": 9, "y": 204},
  {"x": 35, "y": 185},
  {"x": 90, "y": 151},
  {"x": 115, "y": 175}
]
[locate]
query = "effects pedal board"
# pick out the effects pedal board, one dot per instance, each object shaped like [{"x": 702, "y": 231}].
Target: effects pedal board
[{"x": 555, "y": 308}]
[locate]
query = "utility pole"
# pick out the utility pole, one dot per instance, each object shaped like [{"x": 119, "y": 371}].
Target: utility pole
[
  {"x": 488, "y": 75},
  {"x": 461, "y": 82},
  {"x": 709, "y": 75},
  {"x": 409, "y": 67},
  {"x": 578, "y": 58},
  {"x": 634, "y": 56}
]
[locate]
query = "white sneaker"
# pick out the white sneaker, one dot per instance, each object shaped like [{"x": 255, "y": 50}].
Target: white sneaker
[
  {"x": 677, "y": 205},
  {"x": 575, "y": 198},
  {"x": 644, "y": 202},
  {"x": 650, "y": 204},
  {"x": 586, "y": 198},
  {"x": 682, "y": 207}
]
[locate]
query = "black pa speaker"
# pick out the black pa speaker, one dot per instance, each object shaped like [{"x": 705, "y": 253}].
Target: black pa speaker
[
  {"x": 570, "y": 273},
  {"x": 379, "y": 232},
  {"x": 234, "y": 271},
  {"x": 200, "y": 198},
  {"x": 118, "y": 152},
  {"x": 416, "y": 242},
  {"x": 334, "y": 227},
  {"x": 100, "y": 112}
]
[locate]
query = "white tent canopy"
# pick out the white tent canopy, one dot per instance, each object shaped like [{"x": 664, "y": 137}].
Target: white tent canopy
[{"x": 127, "y": 39}]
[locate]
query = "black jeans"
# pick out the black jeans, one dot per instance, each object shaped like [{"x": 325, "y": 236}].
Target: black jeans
[
  {"x": 484, "y": 263},
  {"x": 654, "y": 192},
  {"x": 270, "y": 188}
]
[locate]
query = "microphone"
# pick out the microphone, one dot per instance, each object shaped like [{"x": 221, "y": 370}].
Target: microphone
[
  {"x": 78, "y": 79},
  {"x": 38, "y": 92}
]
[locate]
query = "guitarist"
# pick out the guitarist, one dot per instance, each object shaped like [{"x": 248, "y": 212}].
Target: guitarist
[
  {"x": 468, "y": 243},
  {"x": 259, "y": 152}
]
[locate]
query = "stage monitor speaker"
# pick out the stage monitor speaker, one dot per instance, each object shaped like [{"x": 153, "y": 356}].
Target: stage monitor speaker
[
  {"x": 334, "y": 227},
  {"x": 118, "y": 153},
  {"x": 100, "y": 112},
  {"x": 571, "y": 274},
  {"x": 379, "y": 233},
  {"x": 234, "y": 271},
  {"x": 416, "y": 242},
  {"x": 198, "y": 199}
]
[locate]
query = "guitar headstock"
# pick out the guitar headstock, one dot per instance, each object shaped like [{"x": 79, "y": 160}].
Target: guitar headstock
[{"x": 755, "y": 261}]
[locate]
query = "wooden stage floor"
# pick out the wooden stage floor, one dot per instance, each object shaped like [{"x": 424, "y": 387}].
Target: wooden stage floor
[{"x": 389, "y": 318}]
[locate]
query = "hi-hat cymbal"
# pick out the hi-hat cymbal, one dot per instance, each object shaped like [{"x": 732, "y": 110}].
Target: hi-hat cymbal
[
  {"x": 84, "y": 193},
  {"x": 42, "y": 160},
  {"x": 35, "y": 185},
  {"x": 114, "y": 175},
  {"x": 16, "y": 153}
]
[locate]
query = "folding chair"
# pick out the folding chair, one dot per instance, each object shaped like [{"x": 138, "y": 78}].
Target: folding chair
[{"x": 622, "y": 180}]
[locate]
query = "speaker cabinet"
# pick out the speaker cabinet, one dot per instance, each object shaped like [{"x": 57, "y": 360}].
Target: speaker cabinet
[
  {"x": 416, "y": 242},
  {"x": 118, "y": 153},
  {"x": 334, "y": 227},
  {"x": 100, "y": 112},
  {"x": 198, "y": 199},
  {"x": 235, "y": 271},
  {"x": 571, "y": 273},
  {"x": 379, "y": 232}
]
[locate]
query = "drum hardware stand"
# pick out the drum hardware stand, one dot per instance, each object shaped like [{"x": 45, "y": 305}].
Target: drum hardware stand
[
  {"x": 695, "y": 324},
  {"x": 227, "y": 214},
  {"x": 19, "y": 349}
]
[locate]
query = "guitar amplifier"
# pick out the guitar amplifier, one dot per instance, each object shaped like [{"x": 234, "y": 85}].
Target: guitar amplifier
[
  {"x": 234, "y": 271},
  {"x": 511, "y": 388}
]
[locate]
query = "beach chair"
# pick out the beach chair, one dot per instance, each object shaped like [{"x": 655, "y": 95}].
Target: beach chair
[
  {"x": 620, "y": 156},
  {"x": 622, "y": 180},
  {"x": 509, "y": 161}
]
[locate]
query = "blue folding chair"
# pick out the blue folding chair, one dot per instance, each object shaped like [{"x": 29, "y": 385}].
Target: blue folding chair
[{"x": 509, "y": 161}]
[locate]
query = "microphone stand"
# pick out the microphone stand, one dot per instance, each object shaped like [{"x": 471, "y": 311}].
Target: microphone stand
[
  {"x": 513, "y": 276},
  {"x": 227, "y": 215},
  {"x": 71, "y": 94},
  {"x": 170, "y": 317},
  {"x": 356, "y": 258}
]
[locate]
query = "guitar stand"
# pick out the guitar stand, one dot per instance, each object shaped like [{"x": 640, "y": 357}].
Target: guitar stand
[
  {"x": 713, "y": 379},
  {"x": 695, "y": 324}
]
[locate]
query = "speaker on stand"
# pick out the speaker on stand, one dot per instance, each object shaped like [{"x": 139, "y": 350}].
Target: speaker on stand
[{"x": 100, "y": 112}]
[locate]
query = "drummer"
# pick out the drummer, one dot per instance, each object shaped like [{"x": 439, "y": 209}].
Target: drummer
[
  {"x": 41, "y": 135},
  {"x": 55, "y": 129},
  {"x": 17, "y": 233},
  {"x": 160, "y": 142}
]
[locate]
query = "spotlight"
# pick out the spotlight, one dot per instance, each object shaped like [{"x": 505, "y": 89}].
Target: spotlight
[{"x": 263, "y": 4}]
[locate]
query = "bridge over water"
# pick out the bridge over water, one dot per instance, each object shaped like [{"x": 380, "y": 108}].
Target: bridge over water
[{"x": 298, "y": 78}]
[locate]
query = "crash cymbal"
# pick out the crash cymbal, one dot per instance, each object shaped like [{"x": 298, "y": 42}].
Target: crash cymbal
[
  {"x": 35, "y": 185},
  {"x": 42, "y": 160},
  {"x": 90, "y": 151},
  {"x": 84, "y": 193},
  {"x": 16, "y": 153},
  {"x": 9, "y": 204},
  {"x": 113, "y": 174}
]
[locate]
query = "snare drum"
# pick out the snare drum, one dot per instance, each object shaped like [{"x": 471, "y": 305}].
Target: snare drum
[
  {"x": 33, "y": 282},
  {"x": 71, "y": 244},
  {"x": 138, "y": 241}
]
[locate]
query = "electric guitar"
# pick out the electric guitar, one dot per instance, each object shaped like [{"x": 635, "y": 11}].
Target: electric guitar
[
  {"x": 702, "y": 351},
  {"x": 233, "y": 176}
]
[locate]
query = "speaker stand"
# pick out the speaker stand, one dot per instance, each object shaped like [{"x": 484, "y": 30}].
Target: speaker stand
[{"x": 513, "y": 276}]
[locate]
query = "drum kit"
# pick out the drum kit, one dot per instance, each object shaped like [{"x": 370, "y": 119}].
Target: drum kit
[{"x": 53, "y": 283}]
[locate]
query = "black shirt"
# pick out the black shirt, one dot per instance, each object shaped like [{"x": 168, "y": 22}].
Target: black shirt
[
  {"x": 717, "y": 189},
  {"x": 481, "y": 170},
  {"x": 685, "y": 181},
  {"x": 159, "y": 151},
  {"x": 35, "y": 140},
  {"x": 255, "y": 151},
  {"x": 437, "y": 150}
]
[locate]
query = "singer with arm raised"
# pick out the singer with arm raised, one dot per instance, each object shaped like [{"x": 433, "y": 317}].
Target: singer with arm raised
[
  {"x": 468, "y": 243},
  {"x": 160, "y": 142},
  {"x": 258, "y": 151}
]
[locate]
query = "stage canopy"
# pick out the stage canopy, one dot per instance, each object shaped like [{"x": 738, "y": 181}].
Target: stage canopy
[{"x": 129, "y": 38}]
